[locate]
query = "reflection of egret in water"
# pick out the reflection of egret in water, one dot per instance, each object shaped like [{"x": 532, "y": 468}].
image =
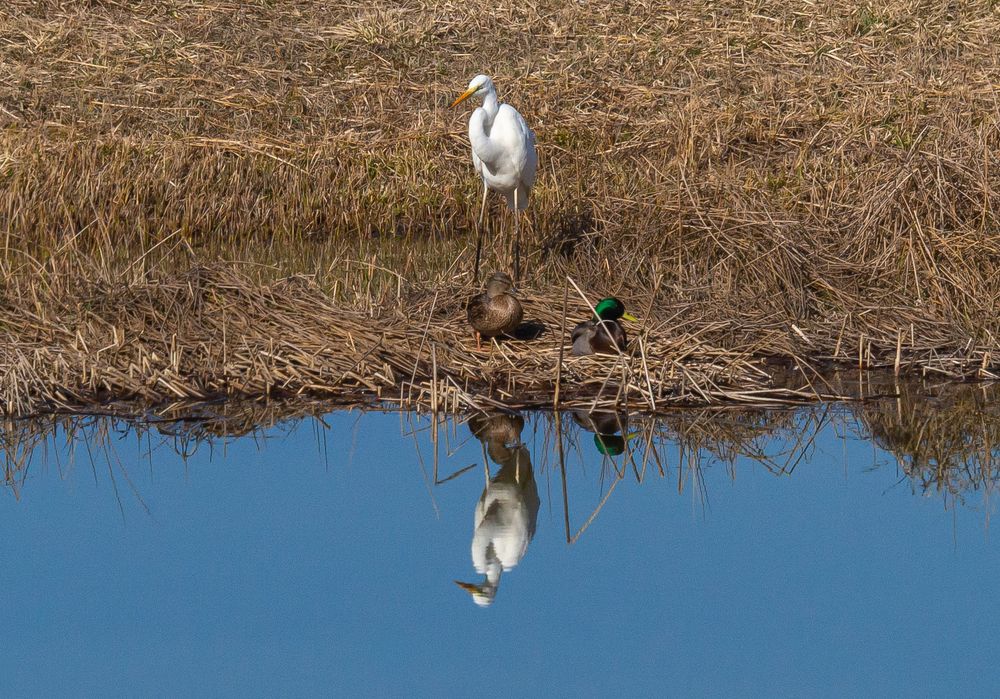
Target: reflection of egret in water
[
  {"x": 508, "y": 508},
  {"x": 610, "y": 430}
]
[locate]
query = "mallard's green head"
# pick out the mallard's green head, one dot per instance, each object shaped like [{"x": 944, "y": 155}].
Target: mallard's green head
[{"x": 611, "y": 308}]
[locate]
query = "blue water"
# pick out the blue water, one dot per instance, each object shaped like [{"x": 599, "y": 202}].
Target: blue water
[{"x": 320, "y": 558}]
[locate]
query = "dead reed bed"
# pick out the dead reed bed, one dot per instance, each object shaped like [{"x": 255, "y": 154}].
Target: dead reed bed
[
  {"x": 211, "y": 334},
  {"x": 812, "y": 182}
]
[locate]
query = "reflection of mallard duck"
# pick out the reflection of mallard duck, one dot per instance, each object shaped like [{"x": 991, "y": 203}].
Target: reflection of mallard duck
[
  {"x": 601, "y": 421},
  {"x": 503, "y": 428},
  {"x": 604, "y": 336},
  {"x": 498, "y": 433},
  {"x": 610, "y": 430},
  {"x": 508, "y": 508},
  {"x": 495, "y": 311}
]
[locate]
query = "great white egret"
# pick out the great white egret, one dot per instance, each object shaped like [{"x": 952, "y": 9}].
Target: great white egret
[
  {"x": 507, "y": 511},
  {"x": 503, "y": 153}
]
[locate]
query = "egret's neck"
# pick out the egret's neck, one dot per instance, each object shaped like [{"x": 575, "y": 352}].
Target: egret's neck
[
  {"x": 480, "y": 125},
  {"x": 490, "y": 105},
  {"x": 493, "y": 572}
]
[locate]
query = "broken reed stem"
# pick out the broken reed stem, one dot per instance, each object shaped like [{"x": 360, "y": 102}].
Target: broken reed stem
[
  {"x": 899, "y": 351},
  {"x": 434, "y": 382},
  {"x": 562, "y": 346},
  {"x": 423, "y": 337},
  {"x": 645, "y": 371}
]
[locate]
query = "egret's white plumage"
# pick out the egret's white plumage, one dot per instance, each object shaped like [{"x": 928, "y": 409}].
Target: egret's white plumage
[{"x": 503, "y": 153}]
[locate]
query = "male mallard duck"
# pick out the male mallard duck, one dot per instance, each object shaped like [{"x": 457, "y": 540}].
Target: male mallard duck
[
  {"x": 495, "y": 311},
  {"x": 606, "y": 336}
]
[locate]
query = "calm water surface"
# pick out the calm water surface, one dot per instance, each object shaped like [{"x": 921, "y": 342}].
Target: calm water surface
[{"x": 818, "y": 552}]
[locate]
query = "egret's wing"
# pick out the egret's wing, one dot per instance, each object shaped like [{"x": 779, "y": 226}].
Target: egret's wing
[
  {"x": 531, "y": 163},
  {"x": 518, "y": 141}
]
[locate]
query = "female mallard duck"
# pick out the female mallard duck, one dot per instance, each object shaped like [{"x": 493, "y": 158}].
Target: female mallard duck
[
  {"x": 605, "y": 336},
  {"x": 495, "y": 311}
]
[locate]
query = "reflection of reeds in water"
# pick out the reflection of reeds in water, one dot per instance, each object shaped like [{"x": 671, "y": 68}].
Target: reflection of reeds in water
[
  {"x": 777, "y": 439},
  {"x": 640, "y": 445},
  {"x": 66, "y": 440},
  {"x": 946, "y": 438}
]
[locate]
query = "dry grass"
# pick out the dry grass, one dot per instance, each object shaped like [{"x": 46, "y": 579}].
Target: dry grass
[
  {"x": 212, "y": 333},
  {"x": 801, "y": 180}
]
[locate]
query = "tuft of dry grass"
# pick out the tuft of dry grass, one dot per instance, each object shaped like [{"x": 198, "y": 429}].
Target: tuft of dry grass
[{"x": 811, "y": 182}]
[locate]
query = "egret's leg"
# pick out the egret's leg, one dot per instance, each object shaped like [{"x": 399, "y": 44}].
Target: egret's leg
[
  {"x": 517, "y": 242},
  {"x": 479, "y": 234},
  {"x": 486, "y": 462},
  {"x": 482, "y": 209}
]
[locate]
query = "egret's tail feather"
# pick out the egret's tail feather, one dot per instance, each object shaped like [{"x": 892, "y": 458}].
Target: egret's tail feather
[{"x": 522, "y": 197}]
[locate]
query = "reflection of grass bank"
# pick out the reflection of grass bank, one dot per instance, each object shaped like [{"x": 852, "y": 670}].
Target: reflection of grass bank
[
  {"x": 746, "y": 172},
  {"x": 947, "y": 441},
  {"x": 943, "y": 437}
]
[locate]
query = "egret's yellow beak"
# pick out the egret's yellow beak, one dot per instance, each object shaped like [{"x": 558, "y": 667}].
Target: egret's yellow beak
[
  {"x": 464, "y": 96},
  {"x": 469, "y": 587},
  {"x": 629, "y": 316}
]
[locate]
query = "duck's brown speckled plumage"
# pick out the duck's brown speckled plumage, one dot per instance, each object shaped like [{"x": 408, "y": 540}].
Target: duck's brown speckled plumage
[{"x": 495, "y": 311}]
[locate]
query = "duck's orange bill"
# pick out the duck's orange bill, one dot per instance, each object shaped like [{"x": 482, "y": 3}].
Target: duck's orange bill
[{"x": 464, "y": 96}]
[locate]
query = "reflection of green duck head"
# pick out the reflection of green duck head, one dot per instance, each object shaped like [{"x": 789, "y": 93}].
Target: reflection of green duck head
[
  {"x": 610, "y": 429},
  {"x": 612, "y": 444}
]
